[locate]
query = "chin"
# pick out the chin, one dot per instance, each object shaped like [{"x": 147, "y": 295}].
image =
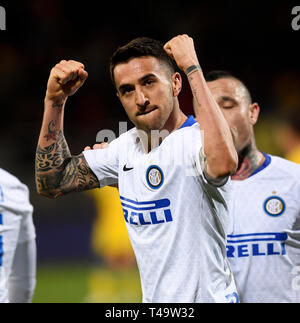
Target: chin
[
  {"x": 150, "y": 122},
  {"x": 149, "y": 126}
]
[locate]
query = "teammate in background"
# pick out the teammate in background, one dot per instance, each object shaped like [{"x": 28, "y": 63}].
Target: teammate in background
[
  {"x": 173, "y": 188},
  {"x": 17, "y": 242},
  {"x": 264, "y": 244}
]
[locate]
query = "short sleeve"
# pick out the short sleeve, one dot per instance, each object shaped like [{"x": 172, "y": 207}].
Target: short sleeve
[
  {"x": 104, "y": 163},
  {"x": 200, "y": 165}
]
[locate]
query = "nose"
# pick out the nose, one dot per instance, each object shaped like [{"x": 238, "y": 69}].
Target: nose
[{"x": 141, "y": 99}]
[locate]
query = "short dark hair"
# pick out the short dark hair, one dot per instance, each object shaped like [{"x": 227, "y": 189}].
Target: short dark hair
[
  {"x": 220, "y": 74},
  {"x": 139, "y": 47}
]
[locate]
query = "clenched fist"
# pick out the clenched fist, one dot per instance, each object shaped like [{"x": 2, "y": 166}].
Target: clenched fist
[
  {"x": 65, "y": 79},
  {"x": 181, "y": 49}
]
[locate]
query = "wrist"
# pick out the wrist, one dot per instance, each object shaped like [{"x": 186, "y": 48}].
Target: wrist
[
  {"x": 54, "y": 101},
  {"x": 192, "y": 68}
]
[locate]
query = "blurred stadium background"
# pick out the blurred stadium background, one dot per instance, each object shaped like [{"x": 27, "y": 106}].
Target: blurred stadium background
[{"x": 77, "y": 259}]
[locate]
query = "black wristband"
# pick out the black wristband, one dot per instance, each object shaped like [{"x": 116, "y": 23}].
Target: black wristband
[{"x": 192, "y": 68}]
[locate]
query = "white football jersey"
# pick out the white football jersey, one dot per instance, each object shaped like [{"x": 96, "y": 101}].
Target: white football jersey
[
  {"x": 16, "y": 225},
  {"x": 176, "y": 221},
  {"x": 264, "y": 244}
]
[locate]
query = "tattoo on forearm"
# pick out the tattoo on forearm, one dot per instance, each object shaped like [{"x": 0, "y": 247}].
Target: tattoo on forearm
[
  {"x": 192, "y": 69},
  {"x": 194, "y": 91},
  {"x": 189, "y": 71},
  {"x": 58, "y": 173},
  {"x": 52, "y": 156},
  {"x": 78, "y": 176},
  {"x": 57, "y": 105},
  {"x": 52, "y": 132}
]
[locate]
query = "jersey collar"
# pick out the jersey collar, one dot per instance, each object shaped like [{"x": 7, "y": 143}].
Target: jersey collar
[
  {"x": 266, "y": 163},
  {"x": 188, "y": 122}
]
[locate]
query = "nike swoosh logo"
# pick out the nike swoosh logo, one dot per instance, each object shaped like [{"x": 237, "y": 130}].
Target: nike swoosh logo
[{"x": 125, "y": 169}]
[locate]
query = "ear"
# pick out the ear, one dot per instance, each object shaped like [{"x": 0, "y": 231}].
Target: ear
[
  {"x": 254, "y": 110},
  {"x": 176, "y": 84}
]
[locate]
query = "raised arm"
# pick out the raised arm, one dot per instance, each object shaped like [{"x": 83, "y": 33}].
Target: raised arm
[
  {"x": 220, "y": 155},
  {"x": 56, "y": 171}
]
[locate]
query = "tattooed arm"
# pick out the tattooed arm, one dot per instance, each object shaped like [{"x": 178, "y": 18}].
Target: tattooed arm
[
  {"x": 59, "y": 173},
  {"x": 56, "y": 171},
  {"x": 219, "y": 151}
]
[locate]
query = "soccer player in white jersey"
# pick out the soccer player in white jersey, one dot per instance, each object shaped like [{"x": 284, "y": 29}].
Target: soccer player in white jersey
[
  {"x": 17, "y": 242},
  {"x": 173, "y": 188},
  {"x": 264, "y": 243}
]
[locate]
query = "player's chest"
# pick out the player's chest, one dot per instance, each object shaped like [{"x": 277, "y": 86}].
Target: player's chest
[
  {"x": 148, "y": 187},
  {"x": 261, "y": 214},
  {"x": 142, "y": 182},
  {"x": 151, "y": 173},
  {"x": 265, "y": 206}
]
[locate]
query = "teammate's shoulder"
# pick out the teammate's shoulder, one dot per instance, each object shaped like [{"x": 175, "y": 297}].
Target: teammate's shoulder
[
  {"x": 14, "y": 194},
  {"x": 7, "y": 177},
  {"x": 11, "y": 183},
  {"x": 285, "y": 166}
]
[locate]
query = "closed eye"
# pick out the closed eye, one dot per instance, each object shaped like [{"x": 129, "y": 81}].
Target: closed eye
[
  {"x": 228, "y": 102},
  {"x": 227, "y": 106}
]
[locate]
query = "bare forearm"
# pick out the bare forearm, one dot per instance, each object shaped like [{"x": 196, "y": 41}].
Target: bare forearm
[
  {"x": 52, "y": 152},
  {"x": 218, "y": 144},
  {"x": 57, "y": 172},
  {"x": 52, "y": 121}
]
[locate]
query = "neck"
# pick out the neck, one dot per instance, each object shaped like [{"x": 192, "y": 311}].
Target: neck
[
  {"x": 250, "y": 159},
  {"x": 174, "y": 122}
]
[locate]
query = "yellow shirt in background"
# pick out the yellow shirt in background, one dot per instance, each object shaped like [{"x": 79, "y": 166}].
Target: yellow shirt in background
[{"x": 109, "y": 236}]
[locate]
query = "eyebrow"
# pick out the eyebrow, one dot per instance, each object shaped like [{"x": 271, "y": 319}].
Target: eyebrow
[
  {"x": 124, "y": 86},
  {"x": 146, "y": 77}
]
